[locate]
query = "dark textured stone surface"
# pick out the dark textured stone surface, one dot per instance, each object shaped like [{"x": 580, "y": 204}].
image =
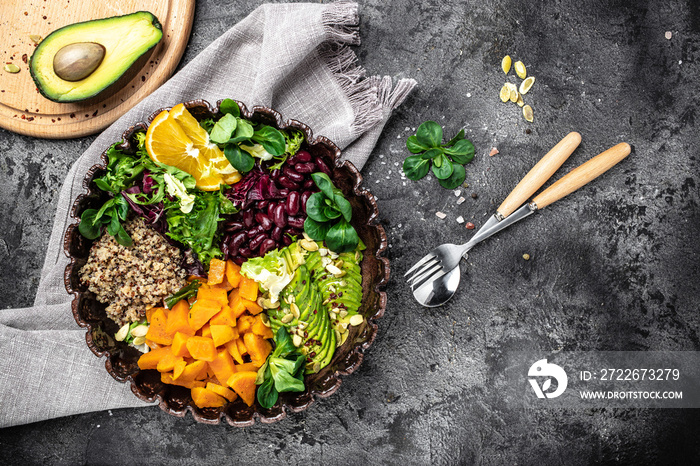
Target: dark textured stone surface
[{"x": 613, "y": 266}]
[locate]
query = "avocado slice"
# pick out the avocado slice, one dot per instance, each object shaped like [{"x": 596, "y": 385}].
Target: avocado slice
[{"x": 125, "y": 39}]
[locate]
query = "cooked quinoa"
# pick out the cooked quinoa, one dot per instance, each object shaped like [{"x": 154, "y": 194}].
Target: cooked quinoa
[{"x": 133, "y": 279}]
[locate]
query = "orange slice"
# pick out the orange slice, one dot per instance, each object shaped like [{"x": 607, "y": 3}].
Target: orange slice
[{"x": 176, "y": 138}]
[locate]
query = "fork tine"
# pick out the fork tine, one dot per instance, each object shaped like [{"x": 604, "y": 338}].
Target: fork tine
[
  {"x": 428, "y": 279},
  {"x": 424, "y": 272},
  {"x": 428, "y": 258}
]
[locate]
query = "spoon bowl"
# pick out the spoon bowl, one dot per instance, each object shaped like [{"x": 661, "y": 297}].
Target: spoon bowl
[{"x": 437, "y": 292}]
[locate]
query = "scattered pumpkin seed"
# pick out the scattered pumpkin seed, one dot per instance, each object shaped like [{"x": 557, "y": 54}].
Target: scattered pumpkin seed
[
  {"x": 505, "y": 64},
  {"x": 265, "y": 319},
  {"x": 139, "y": 331},
  {"x": 122, "y": 333},
  {"x": 505, "y": 93},
  {"x": 302, "y": 325},
  {"x": 11, "y": 68},
  {"x": 356, "y": 320},
  {"x": 309, "y": 245},
  {"x": 343, "y": 313},
  {"x": 295, "y": 310},
  {"x": 138, "y": 341},
  {"x": 520, "y": 100},
  {"x": 36, "y": 38},
  {"x": 323, "y": 251},
  {"x": 296, "y": 339},
  {"x": 527, "y": 113},
  {"x": 527, "y": 84},
  {"x": 337, "y": 335},
  {"x": 333, "y": 270},
  {"x": 343, "y": 338},
  {"x": 316, "y": 367},
  {"x": 287, "y": 318},
  {"x": 520, "y": 69},
  {"x": 514, "y": 95}
]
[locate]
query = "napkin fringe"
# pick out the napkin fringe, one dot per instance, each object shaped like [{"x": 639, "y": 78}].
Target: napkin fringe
[{"x": 341, "y": 21}]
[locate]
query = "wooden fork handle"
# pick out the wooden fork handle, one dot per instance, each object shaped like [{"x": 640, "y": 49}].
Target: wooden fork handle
[
  {"x": 583, "y": 174},
  {"x": 540, "y": 173}
]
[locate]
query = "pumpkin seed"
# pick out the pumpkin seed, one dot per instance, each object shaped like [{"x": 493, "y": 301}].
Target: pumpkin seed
[
  {"x": 302, "y": 325},
  {"x": 323, "y": 251},
  {"x": 309, "y": 245},
  {"x": 122, "y": 333},
  {"x": 317, "y": 366},
  {"x": 333, "y": 270},
  {"x": 344, "y": 337},
  {"x": 527, "y": 84},
  {"x": 139, "y": 331},
  {"x": 343, "y": 313},
  {"x": 297, "y": 340},
  {"x": 265, "y": 319},
  {"x": 505, "y": 64},
  {"x": 520, "y": 69},
  {"x": 295, "y": 310},
  {"x": 356, "y": 320},
  {"x": 505, "y": 93},
  {"x": 520, "y": 100},
  {"x": 527, "y": 113},
  {"x": 287, "y": 318},
  {"x": 35, "y": 38},
  {"x": 337, "y": 335},
  {"x": 306, "y": 236},
  {"x": 514, "y": 95},
  {"x": 11, "y": 68},
  {"x": 138, "y": 341}
]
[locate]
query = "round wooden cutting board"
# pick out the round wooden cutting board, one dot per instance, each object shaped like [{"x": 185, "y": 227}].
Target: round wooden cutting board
[{"x": 25, "y": 111}]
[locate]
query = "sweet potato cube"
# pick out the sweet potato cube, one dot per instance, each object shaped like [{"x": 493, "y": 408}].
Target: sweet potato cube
[
  {"x": 258, "y": 348},
  {"x": 243, "y": 383},
  {"x": 226, "y": 392},
  {"x": 225, "y": 317},
  {"x": 205, "y": 331},
  {"x": 222, "y": 334},
  {"x": 193, "y": 371},
  {"x": 202, "y": 310},
  {"x": 167, "y": 377},
  {"x": 222, "y": 366},
  {"x": 213, "y": 294},
  {"x": 232, "y": 348},
  {"x": 217, "y": 270},
  {"x": 233, "y": 273},
  {"x": 150, "y": 360},
  {"x": 201, "y": 348},
  {"x": 236, "y": 303},
  {"x": 248, "y": 288},
  {"x": 178, "y": 368},
  {"x": 205, "y": 398},
  {"x": 167, "y": 362},
  {"x": 252, "y": 307},
  {"x": 247, "y": 366},
  {"x": 259, "y": 327},
  {"x": 157, "y": 331},
  {"x": 179, "y": 347},
  {"x": 244, "y": 323},
  {"x": 177, "y": 319},
  {"x": 224, "y": 285},
  {"x": 241, "y": 346}
]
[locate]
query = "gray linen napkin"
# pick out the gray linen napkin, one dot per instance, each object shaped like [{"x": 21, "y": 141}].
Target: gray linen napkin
[{"x": 291, "y": 57}]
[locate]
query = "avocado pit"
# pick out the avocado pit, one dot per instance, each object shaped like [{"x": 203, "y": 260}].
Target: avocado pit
[{"x": 78, "y": 61}]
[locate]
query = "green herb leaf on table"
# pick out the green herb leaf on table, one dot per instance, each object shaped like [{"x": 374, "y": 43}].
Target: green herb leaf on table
[{"x": 446, "y": 160}]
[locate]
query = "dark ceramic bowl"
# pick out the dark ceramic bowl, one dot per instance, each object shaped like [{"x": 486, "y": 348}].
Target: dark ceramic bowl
[{"x": 121, "y": 360}]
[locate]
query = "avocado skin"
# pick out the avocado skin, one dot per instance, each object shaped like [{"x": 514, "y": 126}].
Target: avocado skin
[{"x": 113, "y": 82}]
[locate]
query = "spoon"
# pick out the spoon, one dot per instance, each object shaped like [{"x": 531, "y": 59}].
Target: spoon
[{"x": 440, "y": 288}]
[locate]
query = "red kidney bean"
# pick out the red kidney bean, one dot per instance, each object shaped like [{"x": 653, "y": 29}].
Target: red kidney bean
[
  {"x": 264, "y": 221},
  {"x": 238, "y": 260},
  {"x": 255, "y": 231},
  {"x": 293, "y": 175},
  {"x": 286, "y": 182},
  {"x": 305, "y": 167},
  {"x": 284, "y": 192},
  {"x": 233, "y": 226},
  {"x": 279, "y": 216},
  {"x": 245, "y": 252},
  {"x": 274, "y": 174},
  {"x": 271, "y": 210},
  {"x": 257, "y": 241},
  {"x": 248, "y": 218},
  {"x": 236, "y": 242},
  {"x": 308, "y": 184},
  {"x": 303, "y": 156},
  {"x": 323, "y": 166},
  {"x": 286, "y": 240},
  {"x": 267, "y": 245},
  {"x": 296, "y": 222},
  {"x": 224, "y": 249},
  {"x": 305, "y": 197},
  {"x": 277, "y": 233},
  {"x": 294, "y": 232},
  {"x": 262, "y": 205},
  {"x": 292, "y": 203}
]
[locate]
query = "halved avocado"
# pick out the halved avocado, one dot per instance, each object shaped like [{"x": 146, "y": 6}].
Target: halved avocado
[{"x": 124, "y": 38}]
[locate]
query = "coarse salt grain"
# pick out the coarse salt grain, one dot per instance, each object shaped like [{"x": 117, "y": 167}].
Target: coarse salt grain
[
  {"x": 668, "y": 35},
  {"x": 457, "y": 192},
  {"x": 460, "y": 219},
  {"x": 440, "y": 215}
]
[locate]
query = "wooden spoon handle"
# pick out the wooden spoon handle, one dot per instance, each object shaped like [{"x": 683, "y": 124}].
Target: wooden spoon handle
[
  {"x": 582, "y": 174},
  {"x": 540, "y": 173}
]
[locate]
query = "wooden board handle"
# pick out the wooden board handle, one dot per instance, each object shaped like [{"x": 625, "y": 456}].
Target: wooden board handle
[
  {"x": 582, "y": 174},
  {"x": 540, "y": 173}
]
